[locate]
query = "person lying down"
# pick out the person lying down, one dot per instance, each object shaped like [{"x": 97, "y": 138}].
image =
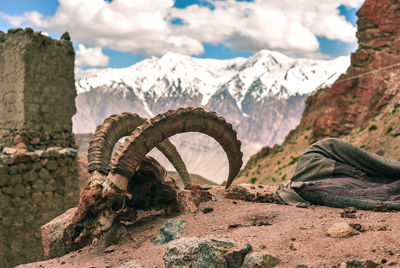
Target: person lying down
[{"x": 334, "y": 173}]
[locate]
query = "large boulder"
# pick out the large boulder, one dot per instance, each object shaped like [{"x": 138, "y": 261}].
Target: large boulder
[
  {"x": 53, "y": 234},
  {"x": 211, "y": 252}
]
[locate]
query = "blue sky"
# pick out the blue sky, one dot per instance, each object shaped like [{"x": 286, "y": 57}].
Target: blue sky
[{"x": 119, "y": 33}]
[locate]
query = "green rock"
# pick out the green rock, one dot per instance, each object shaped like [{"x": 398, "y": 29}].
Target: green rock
[
  {"x": 38, "y": 186},
  {"x": 36, "y": 166},
  {"x": 52, "y": 165},
  {"x": 13, "y": 170},
  {"x": 7, "y": 190},
  {"x": 259, "y": 260},
  {"x": 16, "y": 178},
  {"x": 19, "y": 190},
  {"x": 30, "y": 176},
  {"x": 210, "y": 252},
  {"x": 5, "y": 179},
  {"x": 3, "y": 169},
  {"x": 171, "y": 230},
  {"x": 51, "y": 186},
  {"x": 44, "y": 175}
]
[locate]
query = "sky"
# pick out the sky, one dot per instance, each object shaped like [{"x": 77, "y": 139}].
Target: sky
[{"x": 119, "y": 33}]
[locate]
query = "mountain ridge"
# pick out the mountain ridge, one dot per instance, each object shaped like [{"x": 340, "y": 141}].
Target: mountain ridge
[{"x": 262, "y": 96}]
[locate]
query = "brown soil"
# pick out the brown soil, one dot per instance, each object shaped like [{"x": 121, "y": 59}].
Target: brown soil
[{"x": 295, "y": 235}]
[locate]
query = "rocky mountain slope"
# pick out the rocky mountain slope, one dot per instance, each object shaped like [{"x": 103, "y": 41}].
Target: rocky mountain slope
[
  {"x": 262, "y": 96},
  {"x": 236, "y": 233},
  {"x": 362, "y": 106}
]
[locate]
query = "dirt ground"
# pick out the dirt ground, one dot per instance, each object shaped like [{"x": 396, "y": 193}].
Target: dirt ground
[{"x": 297, "y": 236}]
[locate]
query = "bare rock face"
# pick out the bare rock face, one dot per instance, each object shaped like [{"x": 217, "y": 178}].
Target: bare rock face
[{"x": 371, "y": 80}]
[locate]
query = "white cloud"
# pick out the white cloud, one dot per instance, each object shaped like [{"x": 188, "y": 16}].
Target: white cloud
[
  {"x": 145, "y": 27},
  {"x": 90, "y": 57}
]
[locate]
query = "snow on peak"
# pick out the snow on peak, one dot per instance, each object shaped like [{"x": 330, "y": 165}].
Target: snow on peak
[{"x": 266, "y": 73}]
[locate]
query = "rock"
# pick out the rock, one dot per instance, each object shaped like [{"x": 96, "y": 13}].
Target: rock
[
  {"x": 22, "y": 157},
  {"x": 13, "y": 170},
  {"x": 19, "y": 190},
  {"x": 35, "y": 141},
  {"x": 44, "y": 175},
  {"x": 22, "y": 148},
  {"x": 234, "y": 225},
  {"x": 207, "y": 210},
  {"x": 69, "y": 152},
  {"x": 356, "y": 226},
  {"x": 209, "y": 252},
  {"x": 239, "y": 193},
  {"x": 131, "y": 264},
  {"x": 380, "y": 208},
  {"x": 3, "y": 169},
  {"x": 52, "y": 165},
  {"x": 110, "y": 249},
  {"x": 259, "y": 260},
  {"x": 53, "y": 151},
  {"x": 349, "y": 212},
  {"x": 358, "y": 264},
  {"x": 10, "y": 151},
  {"x": 190, "y": 199},
  {"x": 341, "y": 230},
  {"x": 170, "y": 231},
  {"x": 53, "y": 232},
  {"x": 264, "y": 198},
  {"x": 20, "y": 139},
  {"x": 65, "y": 36},
  {"x": 7, "y": 160},
  {"x": 396, "y": 132},
  {"x": 235, "y": 256},
  {"x": 5, "y": 179}
]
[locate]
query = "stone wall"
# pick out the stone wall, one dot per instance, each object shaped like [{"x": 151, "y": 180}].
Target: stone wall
[
  {"x": 35, "y": 187},
  {"x": 38, "y": 181},
  {"x": 37, "y": 89}
]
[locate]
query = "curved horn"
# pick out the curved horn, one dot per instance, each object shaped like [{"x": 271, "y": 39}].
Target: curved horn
[
  {"x": 147, "y": 136},
  {"x": 107, "y": 135}
]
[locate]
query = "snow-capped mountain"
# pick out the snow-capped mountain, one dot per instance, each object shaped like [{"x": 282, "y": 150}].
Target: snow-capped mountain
[{"x": 262, "y": 96}]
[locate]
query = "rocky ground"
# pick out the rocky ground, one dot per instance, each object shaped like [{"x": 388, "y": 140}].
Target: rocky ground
[{"x": 295, "y": 236}]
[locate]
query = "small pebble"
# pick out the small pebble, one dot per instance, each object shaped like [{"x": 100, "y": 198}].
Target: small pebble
[
  {"x": 207, "y": 210},
  {"x": 110, "y": 249}
]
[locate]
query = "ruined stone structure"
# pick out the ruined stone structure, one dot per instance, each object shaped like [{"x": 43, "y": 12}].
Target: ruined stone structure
[
  {"x": 38, "y": 159},
  {"x": 37, "y": 89}
]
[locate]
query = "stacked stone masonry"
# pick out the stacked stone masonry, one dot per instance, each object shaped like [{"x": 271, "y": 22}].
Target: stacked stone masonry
[
  {"x": 35, "y": 187},
  {"x": 37, "y": 89},
  {"x": 38, "y": 157}
]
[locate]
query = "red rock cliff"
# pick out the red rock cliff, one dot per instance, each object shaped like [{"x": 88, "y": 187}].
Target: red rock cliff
[{"x": 371, "y": 80}]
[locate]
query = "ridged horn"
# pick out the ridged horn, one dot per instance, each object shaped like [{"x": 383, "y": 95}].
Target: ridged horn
[
  {"x": 128, "y": 157},
  {"x": 114, "y": 128}
]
